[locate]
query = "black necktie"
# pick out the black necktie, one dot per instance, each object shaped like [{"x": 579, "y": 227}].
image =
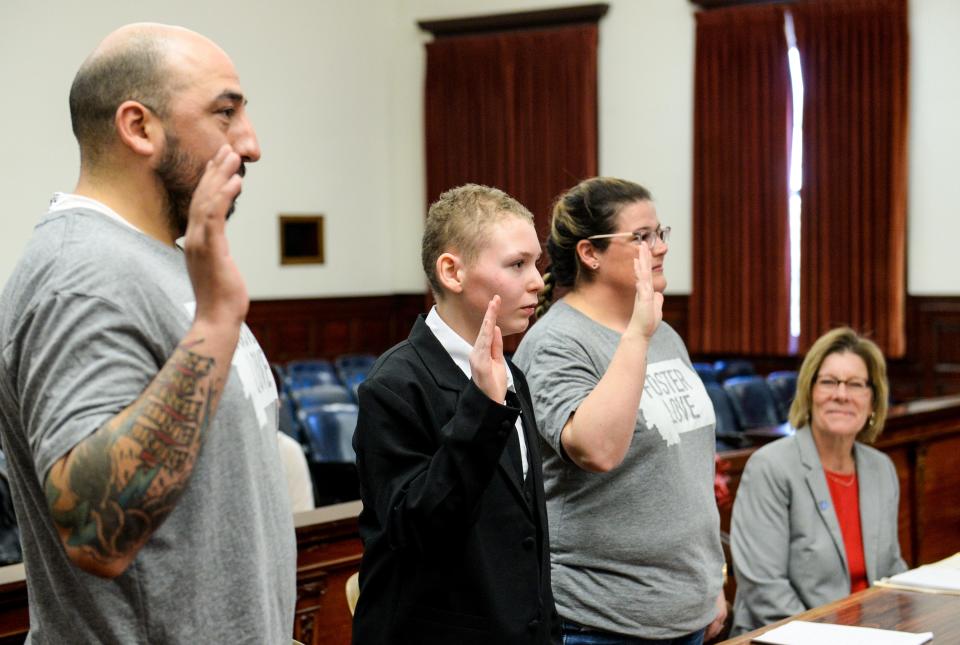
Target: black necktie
[{"x": 513, "y": 443}]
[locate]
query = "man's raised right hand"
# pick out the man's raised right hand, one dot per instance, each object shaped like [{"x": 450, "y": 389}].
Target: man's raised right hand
[{"x": 217, "y": 284}]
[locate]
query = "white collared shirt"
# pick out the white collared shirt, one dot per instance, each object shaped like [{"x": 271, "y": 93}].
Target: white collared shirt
[
  {"x": 64, "y": 201},
  {"x": 459, "y": 351}
]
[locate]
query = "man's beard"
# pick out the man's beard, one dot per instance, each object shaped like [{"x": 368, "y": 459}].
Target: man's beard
[{"x": 179, "y": 174}]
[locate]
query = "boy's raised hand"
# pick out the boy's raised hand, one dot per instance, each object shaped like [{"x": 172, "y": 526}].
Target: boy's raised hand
[{"x": 487, "y": 364}]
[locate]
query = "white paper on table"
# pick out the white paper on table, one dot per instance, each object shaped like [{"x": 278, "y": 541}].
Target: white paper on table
[
  {"x": 800, "y": 632},
  {"x": 941, "y": 576}
]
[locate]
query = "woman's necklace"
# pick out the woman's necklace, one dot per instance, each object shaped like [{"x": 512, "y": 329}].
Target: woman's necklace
[{"x": 841, "y": 480}]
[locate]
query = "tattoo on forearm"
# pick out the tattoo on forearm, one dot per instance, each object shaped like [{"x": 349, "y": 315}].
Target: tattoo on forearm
[
  {"x": 172, "y": 416},
  {"x": 118, "y": 485}
]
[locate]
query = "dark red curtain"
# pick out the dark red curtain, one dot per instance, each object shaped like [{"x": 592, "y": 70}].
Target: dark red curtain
[
  {"x": 740, "y": 299},
  {"x": 854, "y": 56},
  {"x": 516, "y": 110}
]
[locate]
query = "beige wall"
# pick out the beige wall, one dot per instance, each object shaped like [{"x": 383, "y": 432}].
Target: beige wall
[
  {"x": 321, "y": 77},
  {"x": 934, "y": 199},
  {"x": 336, "y": 94}
]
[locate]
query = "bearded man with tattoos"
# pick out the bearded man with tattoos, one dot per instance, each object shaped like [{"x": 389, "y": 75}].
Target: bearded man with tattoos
[{"x": 137, "y": 411}]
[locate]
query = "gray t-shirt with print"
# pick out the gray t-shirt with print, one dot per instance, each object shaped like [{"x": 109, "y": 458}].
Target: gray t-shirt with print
[
  {"x": 636, "y": 550},
  {"x": 92, "y": 312}
]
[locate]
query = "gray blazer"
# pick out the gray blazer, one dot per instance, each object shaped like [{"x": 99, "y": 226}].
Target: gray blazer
[{"x": 788, "y": 553}]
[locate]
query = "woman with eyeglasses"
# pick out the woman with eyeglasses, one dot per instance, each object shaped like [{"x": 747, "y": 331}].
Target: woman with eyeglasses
[
  {"x": 815, "y": 517},
  {"x": 628, "y": 430}
]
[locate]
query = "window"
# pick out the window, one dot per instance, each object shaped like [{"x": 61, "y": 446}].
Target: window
[{"x": 820, "y": 90}]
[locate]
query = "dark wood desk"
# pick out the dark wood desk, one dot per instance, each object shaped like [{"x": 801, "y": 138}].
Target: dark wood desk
[{"x": 907, "y": 611}]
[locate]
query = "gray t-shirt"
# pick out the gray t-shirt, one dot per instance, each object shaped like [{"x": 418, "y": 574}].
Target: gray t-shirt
[
  {"x": 92, "y": 312},
  {"x": 636, "y": 550}
]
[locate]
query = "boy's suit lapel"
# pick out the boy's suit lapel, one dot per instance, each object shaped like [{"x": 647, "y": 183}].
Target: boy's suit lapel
[{"x": 447, "y": 376}]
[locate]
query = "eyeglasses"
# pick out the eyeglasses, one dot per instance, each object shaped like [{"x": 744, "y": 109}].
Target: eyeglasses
[
  {"x": 855, "y": 386},
  {"x": 640, "y": 237}
]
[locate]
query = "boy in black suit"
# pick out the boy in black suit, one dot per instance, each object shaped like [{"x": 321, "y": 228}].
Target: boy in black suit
[{"x": 454, "y": 524}]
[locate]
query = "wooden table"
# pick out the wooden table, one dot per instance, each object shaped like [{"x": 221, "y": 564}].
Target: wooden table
[{"x": 908, "y": 611}]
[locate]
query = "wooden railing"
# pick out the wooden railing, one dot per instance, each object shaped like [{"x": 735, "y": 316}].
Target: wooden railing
[
  {"x": 922, "y": 438},
  {"x": 328, "y": 552}
]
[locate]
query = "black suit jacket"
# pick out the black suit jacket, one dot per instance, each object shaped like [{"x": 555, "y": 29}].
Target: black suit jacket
[{"x": 454, "y": 553}]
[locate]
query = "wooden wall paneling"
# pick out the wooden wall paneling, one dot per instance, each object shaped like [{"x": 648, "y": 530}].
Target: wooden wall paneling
[
  {"x": 327, "y": 327},
  {"x": 943, "y": 318},
  {"x": 926, "y": 435},
  {"x": 904, "y": 460},
  {"x": 918, "y": 504},
  {"x": 946, "y": 348},
  {"x": 938, "y": 518},
  {"x": 932, "y": 364},
  {"x": 931, "y": 367},
  {"x": 906, "y": 374},
  {"x": 331, "y": 335}
]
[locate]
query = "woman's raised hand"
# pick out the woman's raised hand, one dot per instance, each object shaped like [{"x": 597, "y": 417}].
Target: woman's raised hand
[{"x": 648, "y": 304}]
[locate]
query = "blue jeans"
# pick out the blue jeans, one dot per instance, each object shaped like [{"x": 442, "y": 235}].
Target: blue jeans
[{"x": 574, "y": 634}]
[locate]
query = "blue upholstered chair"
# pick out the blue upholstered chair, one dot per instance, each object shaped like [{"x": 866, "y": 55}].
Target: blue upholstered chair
[
  {"x": 727, "y": 432},
  {"x": 353, "y": 368},
  {"x": 318, "y": 395},
  {"x": 752, "y": 401},
  {"x": 278, "y": 375},
  {"x": 287, "y": 418},
  {"x": 352, "y": 382},
  {"x": 706, "y": 372},
  {"x": 329, "y": 432},
  {"x": 783, "y": 384},
  {"x": 354, "y": 361},
  {"x": 729, "y": 369},
  {"x": 10, "y": 550},
  {"x": 305, "y": 379},
  {"x": 328, "y": 437},
  {"x": 310, "y": 365}
]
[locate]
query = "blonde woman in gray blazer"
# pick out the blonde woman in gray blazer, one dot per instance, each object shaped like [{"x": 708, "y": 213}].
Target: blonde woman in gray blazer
[{"x": 789, "y": 553}]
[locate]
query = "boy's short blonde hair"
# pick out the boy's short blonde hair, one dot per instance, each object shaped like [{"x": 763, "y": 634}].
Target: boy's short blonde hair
[{"x": 458, "y": 222}]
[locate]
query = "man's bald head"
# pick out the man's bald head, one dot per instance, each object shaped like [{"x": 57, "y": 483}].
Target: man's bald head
[{"x": 132, "y": 63}]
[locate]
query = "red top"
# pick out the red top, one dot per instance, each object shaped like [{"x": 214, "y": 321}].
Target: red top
[{"x": 846, "y": 500}]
